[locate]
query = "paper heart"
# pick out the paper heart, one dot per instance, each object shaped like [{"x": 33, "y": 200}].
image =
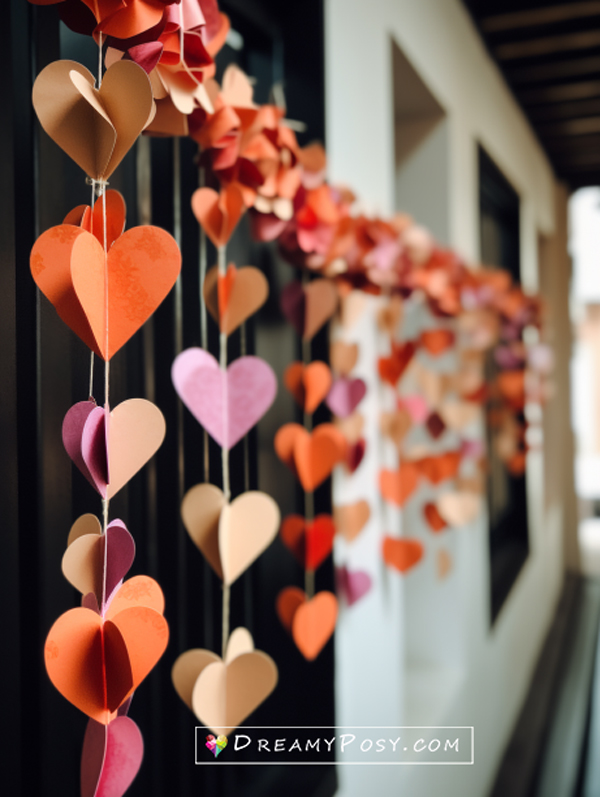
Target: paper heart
[
  {"x": 416, "y": 407},
  {"x": 458, "y": 414},
  {"x": 459, "y": 508},
  {"x": 389, "y": 317},
  {"x": 309, "y": 307},
  {"x": 189, "y": 665},
  {"x": 308, "y": 384},
  {"x": 352, "y": 307},
  {"x": 84, "y": 438},
  {"x": 97, "y": 664},
  {"x": 355, "y": 454},
  {"x": 228, "y": 404},
  {"x": 435, "y": 521},
  {"x": 200, "y": 511},
  {"x": 435, "y": 425},
  {"x": 311, "y": 455},
  {"x": 310, "y": 542},
  {"x": 402, "y": 554},
  {"x": 354, "y": 585},
  {"x": 92, "y": 221},
  {"x": 395, "y": 425},
  {"x": 286, "y": 604},
  {"x": 351, "y": 427},
  {"x": 247, "y": 527},
  {"x": 350, "y": 519},
  {"x": 437, "y": 341},
  {"x": 85, "y": 524},
  {"x": 345, "y": 395},
  {"x": 343, "y": 357},
  {"x": 105, "y": 299},
  {"x": 397, "y": 486},
  {"x": 314, "y": 623},
  {"x": 226, "y": 693},
  {"x": 443, "y": 563},
  {"x": 391, "y": 368},
  {"x": 432, "y": 384},
  {"x": 218, "y": 213},
  {"x": 98, "y": 564},
  {"x": 441, "y": 467},
  {"x": 111, "y": 757},
  {"x": 231, "y": 300},
  {"x": 95, "y": 128},
  {"x": 136, "y": 592}
]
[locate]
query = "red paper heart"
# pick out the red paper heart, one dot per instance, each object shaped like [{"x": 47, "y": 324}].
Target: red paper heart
[{"x": 310, "y": 543}]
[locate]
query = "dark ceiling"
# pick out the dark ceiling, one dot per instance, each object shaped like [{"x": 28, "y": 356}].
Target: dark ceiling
[{"x": 549, "y": 53}]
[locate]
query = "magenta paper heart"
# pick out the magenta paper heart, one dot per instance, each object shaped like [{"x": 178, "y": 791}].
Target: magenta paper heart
[
  {"x": 355, "y": 454},
  {"x": 353, "y": 585},
  {"x": 416, "y": 406},
  {"x": 111, "y": 757},
  {"x": 120, "y": 554},
  {"x": 345, "y": 395},
  {"x": 228, "y": 404},
  {"x": 84, "y": 437}
]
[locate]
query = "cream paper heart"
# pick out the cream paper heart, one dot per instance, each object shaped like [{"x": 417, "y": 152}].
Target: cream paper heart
[
  {"x": 459, "y": 508},
  {"x": 247, "y": 526},
  {"x": 200, "y": 511},
  {"x": 136, "y": 431},
  {"x": 85, "y": 524},
  {"x": 189, "y": 665},
  {"x": 226, "y": 693},
  {"x": 96, "y": 128}
]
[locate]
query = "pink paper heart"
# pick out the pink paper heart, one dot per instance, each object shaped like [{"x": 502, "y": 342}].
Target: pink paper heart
[
  {"x": 111, "y": 757},
  {"x": 354, "y": 585},
  {"x": 345, "y": 395},
  {"x": 228, "y": 404},
  {"x": 119, "y": 556},
  {"x": 84, "y": 438},
  {"x": 416, "y": 406}
]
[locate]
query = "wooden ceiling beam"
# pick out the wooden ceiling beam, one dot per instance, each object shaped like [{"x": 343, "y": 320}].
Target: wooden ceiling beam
[
  {"x": 566, "y": 92},
  {"x": 540, "y": 16},
  {"x": 548, "y": 45}
]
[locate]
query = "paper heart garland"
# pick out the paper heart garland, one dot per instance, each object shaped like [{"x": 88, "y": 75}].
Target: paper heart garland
[
  {"x": 309, "y": 307},
  {"x": 105, "y": 299},
  {"x": 345, "y": 395},
  {"x": 111, "y": 757},
  {"x": 218, "y": 214},
  {"x": 402, "y": 554},
  {"x": 232, "y": 299},
  {"x": 311, "y": 542},
  {"x": 228, "y": 404},
  {"x": 312, "y": 456},
  {"x": 95, "y": 128},
  {"x": 109, "y": 455},
  {"x": 352, "y": 584},
  {"x": 397, "y": 486},
  {"x": 350, "y": 519},
  {"x": 98, "y": 563},
  {"x": 459, "y": 508},
  {"x": 96, "y": 663},
  {"x": 311, "y": 622},
  {"x": 343, "y": 357},
  {"x": 308, "y": 384}
]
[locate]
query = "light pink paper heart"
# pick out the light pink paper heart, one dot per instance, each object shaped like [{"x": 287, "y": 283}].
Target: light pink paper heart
[
  {"x": 228, "y": 404},
  {"x": 111, "y": 757},
  {"x": 345, "y": 395},
  {"x": 416, "y": 407},
  {"x": 354, "y": 585}
]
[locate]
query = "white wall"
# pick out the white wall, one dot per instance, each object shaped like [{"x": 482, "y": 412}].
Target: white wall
[{"x": 495, "y": 665}]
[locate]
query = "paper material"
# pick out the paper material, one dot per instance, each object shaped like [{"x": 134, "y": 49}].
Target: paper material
[
  {"x": 354, "y": 455},
  {"x": 95, "y": 128},
  {"x": 218, "y": 214},
  {"x": 353, "y": 585},
  {"x": 314, "y": 623},
  {"x": 246, "y": 528},
  {"x": 345, "y": 396},
  {"x": 200, "y": 511},
  {"x": 396, "y": 486},
  {"x": 312, "y": 456},
  {"x": 459, "y": 508},
  {"x": 435, "y": 521},
  {"x": 311, "y": 542},
  {"x": 308, "y": 384},
  {"x": 343, "y": 357},
  {"x": 350, "y": 519},
  {"x": 85, "y": 524},
  {"x": 352, "y": 307},
  {"x": 309, "y": 307},
  {"x": 233, "y": 299},
  {"x": 227, "y": 404},
  {"x": 402, "y": 554},
  {"x": 92, "y": 221},
  {"x": 437, "y": 341},
  {"x": 111, "y": 757}
]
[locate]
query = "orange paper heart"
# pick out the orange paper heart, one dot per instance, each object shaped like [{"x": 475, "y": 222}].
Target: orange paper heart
[
  {"x": 308, "y": 384},
  {"x": 402, "y": 554},
  {"x": 350, "y": 519},
  {"x": 218, "y": 214},
  {"x": 311, "y": 455},
  {"x": 437, "y": 341},
  {"x": 398, "y": 485},
  {"x": 312, "y": 621},
  {"x": 343, "y": 357},
  {"x": 232, "y": 299}
]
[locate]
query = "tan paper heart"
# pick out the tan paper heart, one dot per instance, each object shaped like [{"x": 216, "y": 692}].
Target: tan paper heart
[
  {"x": 243, "y": 291},
  {"x": 395, "y": 425},
  {"x": 459, "y": 508},
  {"x": 352, "y": 307},
  {"x": 95, "y": 128},
  {"x": 225, "y": 694},
  {"x": 343, "y": 357},
  {"x": 85, "y": 524},
  {"x": 247, "y": 526},
  {"x": 136, "y": 430},
  {"x": 82, "y": 564},
  {"x": 458, "y": 414},
  {"x": 187, "y": 669},
  {"x": 321, "y": 303},
  {"x": 351, "y": 427},
  {"x": 200, "y": 511},
  {"x": 350, "y": 519}
]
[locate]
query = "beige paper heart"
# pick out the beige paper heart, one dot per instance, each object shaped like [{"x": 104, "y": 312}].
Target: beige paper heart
[
  {"x": 225, "y": 694},
  {"x": 321, "y": 299},
  {"x": 351, "y": 427},
  {"x": 458, "y": 414},
  {"x": 200, "y": 511},
  {"x": 82, "y": 564},
  {"x": 240, "y": 641},
  {"x": 85, "y": 524},
  {"x": 187, "y": 669},
  {"x": 246, "y": 528},
  {"x": 395, "y": 425},
  {"x": 136, "y": 430},
  {"x": 95, "y": 128},
  {"x": 350, "y": 519},
  {"x": 343, "y": 357},
  {"x": 459, "y": 508},
  {"x": 352, "y": 307}
]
